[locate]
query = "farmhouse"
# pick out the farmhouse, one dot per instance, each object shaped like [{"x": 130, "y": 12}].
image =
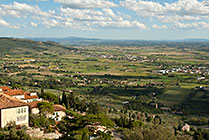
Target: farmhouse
[
  {"x": 58, "y": 114},
  {"x": 25, "y": 99},
  {"x": 33, "y": 107},
  {"x": 12, "y": 110},
  {"x": 20, "y": 94}
]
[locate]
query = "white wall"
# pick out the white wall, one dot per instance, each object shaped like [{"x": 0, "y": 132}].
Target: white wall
[
  {"x": 34, "y": 110},
  {"x": 19, "y": 96},
  {"x": 20, "y": 115},
  {"x": 33, "y": 94},
  {"x": 57, "y": 115}
]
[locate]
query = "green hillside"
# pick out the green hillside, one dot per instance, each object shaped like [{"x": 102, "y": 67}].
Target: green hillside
[{"x": 24, "y": 46}]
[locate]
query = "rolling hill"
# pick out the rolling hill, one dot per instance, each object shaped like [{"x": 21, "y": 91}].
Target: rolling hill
[{"x": 25, "y": 46}]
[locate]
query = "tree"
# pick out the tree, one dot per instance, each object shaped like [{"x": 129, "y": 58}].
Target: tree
[
  {"x": 51, "y": 97},
  {"x": 76, "y": 128},
  {"x": 45, "y": 108},
  {"x": 65, "y": 100},
  {"x": 41, "y": 121},
  {"x": 42, "y": 92},
  {"x": 17, "y": 86},
  {"x": 94, "y": 108},
  {"x": 149, "y": 133},
  {"x": 11, "y": 133}
]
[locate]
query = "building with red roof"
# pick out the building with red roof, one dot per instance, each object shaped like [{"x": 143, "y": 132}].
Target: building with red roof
[{"x": 13, "y": 110}]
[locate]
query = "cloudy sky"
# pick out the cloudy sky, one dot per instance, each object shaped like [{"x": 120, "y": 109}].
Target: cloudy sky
[{"x": 109, "y": 19}]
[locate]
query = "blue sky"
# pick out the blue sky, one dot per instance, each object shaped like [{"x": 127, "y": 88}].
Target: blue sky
[{"x": 108, "y": 19}]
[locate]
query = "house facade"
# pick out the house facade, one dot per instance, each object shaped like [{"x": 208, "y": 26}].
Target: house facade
[
  {"x": 15, "y": 105},
  {"x": 59, "y": 112},
  {"x": 13, "y": 110}
]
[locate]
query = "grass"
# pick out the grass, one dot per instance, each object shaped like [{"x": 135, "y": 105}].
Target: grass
[{"x": 174, "y": 96}]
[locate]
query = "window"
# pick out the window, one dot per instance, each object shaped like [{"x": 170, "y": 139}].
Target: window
[
  {"x": 18, "y": 111},
  {"x": 21, "y": 110},
  {"x": 24, "y": 118},
  {"x": 21, "y": 118},
  {"x": 18, "y": 119}
]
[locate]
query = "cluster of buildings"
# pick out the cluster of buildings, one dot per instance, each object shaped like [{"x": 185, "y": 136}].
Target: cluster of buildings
[
  {"x": 16, "y": 104},
  {"x": 187, "y": 69},
  {"x": 128, "y": 57}
]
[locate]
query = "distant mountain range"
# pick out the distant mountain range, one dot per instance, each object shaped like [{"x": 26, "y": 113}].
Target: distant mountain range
[
  {"x": 50, "y": 45},
  {"x": 96, "y": 41}
]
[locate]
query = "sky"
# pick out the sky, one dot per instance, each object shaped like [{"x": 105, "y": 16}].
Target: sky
[{"x": 105, "y": 19}]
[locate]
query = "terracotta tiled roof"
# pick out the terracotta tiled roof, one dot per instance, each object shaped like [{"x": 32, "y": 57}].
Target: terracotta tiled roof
[
  {"x": 15, "y": 92},
  {"x": 59, "y": 108},
  {"x": 7, "y": 101},
  {"x": 30, "y": 97},
  {"x": 33, "y": 104},
  {"x": 5, "y": 88}
]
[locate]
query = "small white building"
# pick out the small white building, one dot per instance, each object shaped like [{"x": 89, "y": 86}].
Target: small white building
[
  {"x": 20, "y": 94},
  {"x": 13, "y": 110},
  {"x": 58, "y": 114},
  {"x": 185, "y": 127}
]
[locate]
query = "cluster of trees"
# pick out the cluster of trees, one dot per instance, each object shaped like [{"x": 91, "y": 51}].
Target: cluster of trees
[
  {"x": 193, "y": 107},
  {"x": 197, "y": 121},
  {"x": 126, "y": 90},
  {"x": 40, "y": 121},
  {"x": 152, "y": 132},
  {"x": 201, "y": 134},
  {"x": 77, "y": 104},
  {"x": 76, "y": 128},
  {"x": 51, "y": 97},
  {"x": 11, "y": 133}
]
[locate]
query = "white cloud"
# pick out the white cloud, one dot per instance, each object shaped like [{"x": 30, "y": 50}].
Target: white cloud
[
  {"x": 144, "y": 8},
  {"x": 194, "y": 25},
  {"x": 22, "y": 10},
  {"x": 110, "y": 13},
  {"x": 90, "y": 18},
  {"x": 181, "y": 11},
  {"x": 6, "y": 24},
  {"x": 50, "y": 23},
  {"x": 89, "y": 4},
  {"x": 177, "y": 18},
  {"x": 181, "y": 7},
  {"x": 34, "y": 24},
  {"x": 3, "y": 23},
  {"x": 155, "y": 26},
  {"x": 82, "y": 19}
]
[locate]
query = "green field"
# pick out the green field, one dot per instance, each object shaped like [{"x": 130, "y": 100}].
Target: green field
[{"x": 110, "y": 73}]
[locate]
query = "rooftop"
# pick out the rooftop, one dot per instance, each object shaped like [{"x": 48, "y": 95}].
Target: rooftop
[
  {"x": 5, "y": 88},
  {"x": 33, "y": 104},
  {"x": 59, "y": 108},
  {"x": 27, "y": 96},
  {"x": 14, "y": 92},
  {"x": 56, "y": 106},
  {"x": 7, "y": 101}
]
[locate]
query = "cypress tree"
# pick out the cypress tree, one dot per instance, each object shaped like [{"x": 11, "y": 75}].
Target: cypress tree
[{"x": 64, "y": 100}]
